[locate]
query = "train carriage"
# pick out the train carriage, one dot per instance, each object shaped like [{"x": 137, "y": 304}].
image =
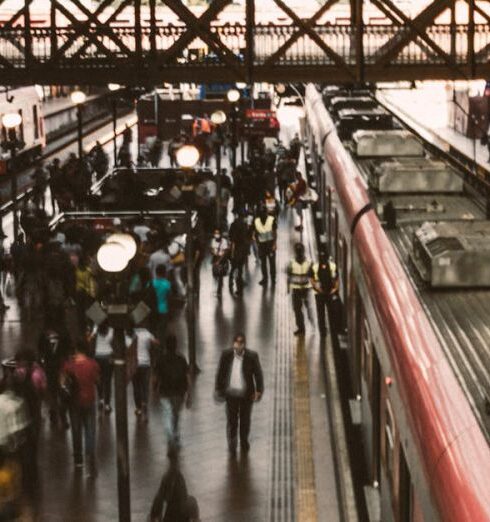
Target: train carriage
[
  {"x": 25, "y": 101},
  {"x": 424, "y": 436}
]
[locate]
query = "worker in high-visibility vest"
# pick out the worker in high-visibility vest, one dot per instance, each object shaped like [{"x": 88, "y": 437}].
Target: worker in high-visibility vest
[
  {"x": 325, "y": 285},
  {"x": 265, "y": 235},
  {"x": 300, "y": 272}
]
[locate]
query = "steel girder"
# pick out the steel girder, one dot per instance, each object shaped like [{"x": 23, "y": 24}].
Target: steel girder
[{"x": 121, "y": 41}]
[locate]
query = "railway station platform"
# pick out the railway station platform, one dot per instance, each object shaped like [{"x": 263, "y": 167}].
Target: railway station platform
[
  {"x": 292, "y": 471},
  {"x": 426, "y": 111}
]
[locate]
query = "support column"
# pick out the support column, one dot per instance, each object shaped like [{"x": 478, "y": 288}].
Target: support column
[
  {"x": 121, "y": 400},
  {"x": 114, "y": 129},
  {"x": 53, "y": 35},
  {"x": 137, "y": 32},
  {"x": 471, "y": 37},
  {"x": 190, "y": 310},
  {"x": 13, "y": 185},
  {"x": 250, "y": 52},
  {"x": 27, "y": 35},
  {"x": 218, "y": 178},
  {"x": 153, "y": 23},
  {"x": 453, "y": 31},
  {"x": 359, "y": 28}
]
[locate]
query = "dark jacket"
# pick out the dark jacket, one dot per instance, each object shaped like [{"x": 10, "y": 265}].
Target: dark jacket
[
  {"x": 171, "y": 373},
  {"x": 252, "y": 373}
]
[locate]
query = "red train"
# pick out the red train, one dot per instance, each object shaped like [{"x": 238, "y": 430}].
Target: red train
[{"x": 424, "y": 431}]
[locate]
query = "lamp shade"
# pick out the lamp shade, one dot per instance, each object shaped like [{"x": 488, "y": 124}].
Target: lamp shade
[
  {"x": 126, "y": 240},
  {"x": 240, "y": 85},
  {"x": 113, "y": 86},
  {"x": 187, "y": 156},
  {"x": 280, "y": 88},
  {"x": 78, "y": 97},
  {"x": 218, "y": 117},
  {"x": 11, "y": 120},
  {"x": 112, "y": 257},
  {"x": 233, "y": 95}
]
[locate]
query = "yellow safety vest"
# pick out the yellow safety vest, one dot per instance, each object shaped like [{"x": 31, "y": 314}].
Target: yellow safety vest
[
  {"x": 299, "y": 274},
  {"x": 265, "y": 231},
  {"x": 333, "y": 272}
]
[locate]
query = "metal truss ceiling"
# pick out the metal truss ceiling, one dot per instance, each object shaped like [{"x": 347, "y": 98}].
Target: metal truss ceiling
[{"x": 73, "y": 45}]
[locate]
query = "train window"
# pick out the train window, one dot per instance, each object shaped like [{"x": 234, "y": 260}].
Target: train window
[
  {"x": 404, "y": 490},
  {"x": 366, "y": 354},
  {"x": 389, "y": 441},
  {"x": 35, "y": 119},
  {"x": 345, "y": 281},
  {"x": 21, "y": 128}
]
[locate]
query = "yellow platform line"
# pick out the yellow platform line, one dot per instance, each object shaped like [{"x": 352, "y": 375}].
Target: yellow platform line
[{"x": 306, "y": 507}]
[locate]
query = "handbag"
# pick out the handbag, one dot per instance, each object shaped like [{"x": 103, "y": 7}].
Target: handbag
[
  {"x": 178, "y": 259},
  {"x": 220, "y": 269}
]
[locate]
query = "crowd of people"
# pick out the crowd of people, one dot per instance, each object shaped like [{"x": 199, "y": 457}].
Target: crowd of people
[{"x": 57, "y": 279}]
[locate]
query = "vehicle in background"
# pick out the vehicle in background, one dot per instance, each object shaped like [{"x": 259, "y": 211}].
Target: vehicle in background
[{"x": 26, "y": 102}]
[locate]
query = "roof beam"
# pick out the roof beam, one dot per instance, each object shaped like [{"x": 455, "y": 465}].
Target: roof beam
[
  {"x": 204, "y": 33},
  {"x": 298, "y": 34},
  {"x": 205, "y": 19},
  {"x": 337, "y": 59},
  {"x": 416, "y": 28}
]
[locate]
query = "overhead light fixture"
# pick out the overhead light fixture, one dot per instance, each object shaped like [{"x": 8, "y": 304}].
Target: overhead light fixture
[
  {"x": 218, "y": 117},
  {"x": 78, "y": 97},
  {"x": 187, "y": 156},
  {"x": 11, "y": 120},
  {"x": 233, "y": 95}
]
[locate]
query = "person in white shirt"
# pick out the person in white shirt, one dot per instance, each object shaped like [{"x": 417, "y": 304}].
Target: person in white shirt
[
  {"x": 239, "y": 382},
  {"x": 142, "y": 230},
  {"x": 145, "y": 341},
  {"x": 220, "y": 250},
  {"x": 104, "y": 338},
  {"x": 176, "y": 251},
  {"x": 159, "y": 257}
]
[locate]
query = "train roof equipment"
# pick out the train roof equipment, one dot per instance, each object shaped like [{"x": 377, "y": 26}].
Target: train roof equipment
[
  {"x": 351, "y": 102},
  {"x": 371, "y": 143},
  {"x": 453, "y": 254},
  {"x": 421, "y": 175},
  {"x": 351, "y": 120}
]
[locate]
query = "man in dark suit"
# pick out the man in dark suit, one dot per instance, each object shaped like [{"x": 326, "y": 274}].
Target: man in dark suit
[{"x": 240, "y": 383}]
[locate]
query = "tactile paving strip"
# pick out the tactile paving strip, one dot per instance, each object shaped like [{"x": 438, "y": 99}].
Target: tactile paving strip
[
  {"x": 305, "y": 472},
  {"x": 282, "y": 483},
  {"x": 292, "y": 488}
]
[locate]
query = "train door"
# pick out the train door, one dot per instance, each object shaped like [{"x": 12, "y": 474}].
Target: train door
[
  {"x": 389, "y": 457},
  {"x": 345, "y": 278},
  {"x": 404, "y": 490},
  {"x": 409, "y": 509},
  {"x": 376, "y": 411},
  {"x": 354, "y": 332},
  {"x": 329, "y": 218},
  {"x": 371, "y": 396},
  {"x": 21, "y": 127},
  {"x": 35, "y": 120}
]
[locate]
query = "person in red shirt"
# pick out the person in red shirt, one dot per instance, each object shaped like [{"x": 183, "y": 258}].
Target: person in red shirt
[{"x": 80, "y": 375}]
